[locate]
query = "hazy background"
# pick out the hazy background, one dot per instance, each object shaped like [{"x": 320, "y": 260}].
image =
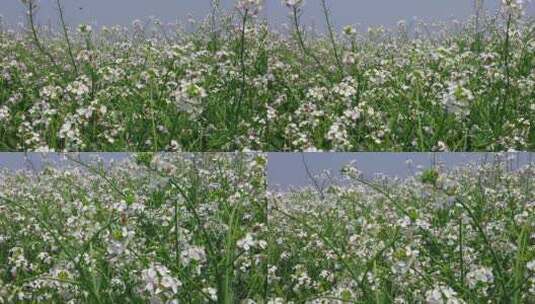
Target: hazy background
[
  {"x": 36, "y": 161},
  {"x": 365, "y": 12},
  {"x": 287, "y": 169}
]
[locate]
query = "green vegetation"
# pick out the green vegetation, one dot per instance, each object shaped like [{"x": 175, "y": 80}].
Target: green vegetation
[{"x": 235, "y": 83}]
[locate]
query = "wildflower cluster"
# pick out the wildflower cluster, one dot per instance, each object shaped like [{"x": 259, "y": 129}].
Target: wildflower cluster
[
  {"x": 232, "y": 83},
  {"x": 163, "y": 84},
  {"x": 514, "y": 7},
  {"x": 443, "y": 236},
  {"x": 250, "y": 5},
  {"x": 293, "y": 3},
  {"x": 163, "y": 228}
]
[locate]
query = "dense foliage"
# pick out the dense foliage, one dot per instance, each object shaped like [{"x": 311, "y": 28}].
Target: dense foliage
[
  {"x": 232, "y": 82},
  {"x": 461, "y": 236},
  {"x": 168, "y": 228}
]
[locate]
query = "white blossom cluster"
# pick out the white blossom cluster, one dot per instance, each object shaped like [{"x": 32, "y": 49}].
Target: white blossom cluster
[
  {"x": 240, "y": 84},
  {"x": 433, "y": 238},
  {"x": 159, "y": 283},
  {"x": 155, "y": 228}
]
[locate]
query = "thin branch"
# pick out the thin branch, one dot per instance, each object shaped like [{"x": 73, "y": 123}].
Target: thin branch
[
  {"x": 317, "y": 186},
  {"x": 31, "y": 15},
  {"x": 326, "y": 14},
  {"x": 66, "y": 35},
  {"x": 300, "y": 40}
]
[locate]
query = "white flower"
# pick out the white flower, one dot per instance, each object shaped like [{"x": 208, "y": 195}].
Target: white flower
[
  {"x": 250, "y": 5},
  {"x": 188, "y": 97},
  {"x": 78, "y": 88},
  {"x": 50, "y": 92},
  {"x": 44, "y": 149},
  {"x": 327, "y": 275},
  {"x": 531, "y": 265},
  {"x": 68, "y": 130},
  {"x": 247, "y": 242},
  {"x": 44, "y": 257},
  {"x": 150, "y": 277},
  {"x": 457, "y": 98},
  {"x": 84, "y": 28},
  {"x": 193, "y": 253},
  {"x": 293, "y": 3},
  {"x": 441, "y": 146},
  {"x": 349, "y": 58},
  {"x": 338, "y": 135},
  {"x": 442, "y": 294},
  {"x": 514, "y": 8},
  {"x": 170, "y": 283},
  {"x": 271, "y": 113},
  {"x": 482, "y": 274},
  {"x": 17, "y": 260},
  {"x": 211, "y": 292},
  {"x": 118, "y": 285},
  {"x": 4, "y": 113},
  {"x": 353, "y": 114},
  {"x": 350, "y": 170},
  {"x": 347, "y": 88},
  {"x": 118, "y": 242},
  {"x": 173, "y": 146},
  {"x": 157, "y": 279}
]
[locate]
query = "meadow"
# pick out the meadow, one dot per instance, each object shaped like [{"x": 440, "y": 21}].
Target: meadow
[
  {"x": 441, "y": 237},
  {"x": 164, "y": 228},
  {"x": 202, "y": 228},
  {"x": 233, "y": 82}
]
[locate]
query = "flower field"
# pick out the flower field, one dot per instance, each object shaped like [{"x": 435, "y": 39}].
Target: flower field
[
  {"x": 190, "y": 210},
  {"x": 234, "y": 82},
  {"x": 201, "y": 228},
  {"x": 460, "y": 236},
  {"x": 168, "y": 228}
]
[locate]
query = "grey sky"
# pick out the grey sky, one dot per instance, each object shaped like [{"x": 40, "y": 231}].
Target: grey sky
[
  {"x": 287, "y": 169},
  {"x": 36, "y": 161},
  {"x": 365, "y": 12}
]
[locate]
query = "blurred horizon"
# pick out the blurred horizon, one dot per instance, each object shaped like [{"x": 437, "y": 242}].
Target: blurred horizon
[
  {"x": 37, "y": 161},
  {"x": 287, "y": 170},
  {"x": 344, "y": 12}
]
